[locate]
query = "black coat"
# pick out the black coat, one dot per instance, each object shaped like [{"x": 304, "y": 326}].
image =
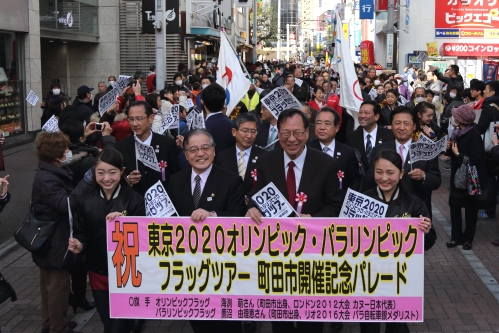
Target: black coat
[
  {"x": 355, "y": 139},
  {"x": 384, "y": 117},
  {"x": 319, "y": 181},
  {"x": 220, "y": 128},
  {"x": 228, "y": 160},
  {"x": 422, "y": 188},
  {"x": 167, "y": 152},
  {"x": 83, "y": 159},
  {"x": 406, "y": 205},
  {"x": 90, "y": 222},
  {"x": 223, "y": 193},
  {"x": 471, "y": 145},
  {"x": 489, "y": 112},
  {"x": 51, "y": 188},
  {"x": 85, "y": 107},
  {"x": 345, "y": 161}
]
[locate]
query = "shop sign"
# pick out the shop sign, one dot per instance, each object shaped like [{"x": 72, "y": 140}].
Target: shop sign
[
  {"x": 382, "y": 5},
  {"x": 470, "y": 49},
  {"x": 466, "y": 33},
  {"x": 366, "y": 10},
  {"x": 447, "y": 33},
  {"x": 467, "y": 14},
  {"x": 171, "y": 16},
  {"x": 64, "y": 19}
]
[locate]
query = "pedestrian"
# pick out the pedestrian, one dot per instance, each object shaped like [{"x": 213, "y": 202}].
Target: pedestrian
[
  {"x": 51, "y": 99},
  {"x": 53, "y": 197},
  {"x": 84, "y": 100},
  {"x": 465, "y": 141},
  {"x": 111, "y": 197},
  {"x": 495, "y": 155},
  {"x": 425, "y": 113},
  {"x": 392, "y": 96}
]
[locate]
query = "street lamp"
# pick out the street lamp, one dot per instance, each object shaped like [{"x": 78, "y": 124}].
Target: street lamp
[{"x": 297, "y": 25}]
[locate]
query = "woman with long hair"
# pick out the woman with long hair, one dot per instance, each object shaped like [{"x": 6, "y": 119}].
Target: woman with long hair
[
  {"x": 425, "y": 113},
  {"x": 112, "y": 197}
]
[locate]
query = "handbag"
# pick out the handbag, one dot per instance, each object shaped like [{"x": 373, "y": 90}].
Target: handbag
[
  {"x": 487, "y": 137},
  {"x": 461, "y": 176},
  {"x": 473, "y": 182},
  {"x": 6, "y": 291},
  {"x": 34, "y": 234}
]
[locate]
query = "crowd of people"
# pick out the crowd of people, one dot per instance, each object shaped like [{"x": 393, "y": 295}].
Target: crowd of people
[{"x": 88, "y": 171}]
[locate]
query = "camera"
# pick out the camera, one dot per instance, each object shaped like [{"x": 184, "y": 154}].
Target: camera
[{"x": 99, "y": 126}]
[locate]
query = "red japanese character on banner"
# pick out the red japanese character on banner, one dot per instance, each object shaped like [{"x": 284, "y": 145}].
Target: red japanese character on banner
[{"x": 126, "y": 254}]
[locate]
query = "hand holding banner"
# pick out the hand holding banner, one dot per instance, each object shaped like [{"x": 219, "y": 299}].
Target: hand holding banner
[
  {"x": 272, "y": 203},
  {"x": 358, "y": 205},
  {"x": 108, "y": 99},
  {"x": 171, "y": 120},
  {"x": 158, "y": 202},
  {"x": 424, "y": 151}
]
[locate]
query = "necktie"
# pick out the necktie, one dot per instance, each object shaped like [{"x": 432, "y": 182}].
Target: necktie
[
  {"x": 325, "y": 149},
  {"x": 272, "y": 136},
  {"x": 241, "y": 166},
  {"x": 291, "y": 183},
  {"x": 197, "y": 191},
  {"x": 369, "y": 147},
  {"x": 401, "y": 153}
]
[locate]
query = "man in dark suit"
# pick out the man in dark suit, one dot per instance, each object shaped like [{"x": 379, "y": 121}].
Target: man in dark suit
[
  {"x": 241, "y": 158},
  {"x": 267, "y": 130},
  {"x": 206, "y": 190},
  {"x": 140, "y": 117},
  {"x": 422, "y": 177},
  {"x": 293, "y": 169},
  {"x": 327, "y": 124},
  {"x": 368, "y": 134},
  {"x": 220, "y": 126}
]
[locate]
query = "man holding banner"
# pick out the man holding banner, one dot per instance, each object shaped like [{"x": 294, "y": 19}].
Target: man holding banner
[
  {"x": 206, "y": 190},
  {"x": 157, "y": 158},
  {"x": 299, "y": 171}
]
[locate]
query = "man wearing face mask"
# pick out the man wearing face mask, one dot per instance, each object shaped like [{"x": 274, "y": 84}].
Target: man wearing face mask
[
  {"x": 418, "y": 97},
  {"x": 111, "y": 82},
  {"x": 178, "y": 80},
  {"x": 84, "y": 100}
]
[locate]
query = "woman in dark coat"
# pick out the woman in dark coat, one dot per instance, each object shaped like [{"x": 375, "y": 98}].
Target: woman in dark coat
[
  {"x": 52, "y": 197},
  {"x": 391, "y": 97},
  {"x": 465, "y": 141},
  {"x": 425, "y": 113}
]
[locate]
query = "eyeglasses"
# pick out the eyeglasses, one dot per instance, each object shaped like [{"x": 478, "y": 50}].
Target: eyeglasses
[
  {"x": 419, "y": 95},
  {"x": 246, "y": 131},
  {"x": 137, "y": 119},
  {"x": 296, "y": 134},
  {"x": 325, "y": 123},
  {"x": 195, "y": 150}
]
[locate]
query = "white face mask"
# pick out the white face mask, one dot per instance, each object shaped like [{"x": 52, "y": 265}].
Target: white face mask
[
  {"x": 112, "y": 83},
  {"x": 399, "y": 81},
  {"x": 56, "y": 92},
  {"x": 377, "y": 82},
  {"x": 420, "y": 99},
  {"x": 178, "y": 82},
  {"x": 204, "y": 86},
  {"x": 69, "y": 157},
  {"x": 452, "y": 95}
]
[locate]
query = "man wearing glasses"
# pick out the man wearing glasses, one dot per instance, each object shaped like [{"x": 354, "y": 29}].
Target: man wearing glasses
[
  {"x": 295, "y": 168},
  {"x": 141, "y": 177},
  {"x": 418, "y": 97},
  {"x": 206, "y": 190}
]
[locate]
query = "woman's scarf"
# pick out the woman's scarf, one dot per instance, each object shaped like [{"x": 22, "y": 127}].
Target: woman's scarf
[{"x": 458, "y": 132}]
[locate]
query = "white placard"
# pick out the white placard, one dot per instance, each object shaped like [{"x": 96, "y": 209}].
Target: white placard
[
  {"x": 423, "y": 57},
  {"x": 190, "y": 118},
  {"x": 52, "y": 125},
  {"x": 279, "y": 100},
  {"x": 373, "y": 93},
  {"x": 32, "y": 98},
  {"x": 124, "y": 77},
  {"x": 424, "y": 138},
  {"x": 258, "y": 90},
  {"x": 198, "y": 121},
  {"x": 403, "y": 101},
  {"x": 158, "y": 202},
  {"x": 171, "y": 120},
  {"x": 146, "y": 155},
  {"x": 188, "y": 103},
  {"x": 424, "y": 151},
  {"x": 106, "y": 101},
  {"x": 358, "y": 205},
  {"x": 298, "y": 81},
  {"x": 272, "y": 203}
]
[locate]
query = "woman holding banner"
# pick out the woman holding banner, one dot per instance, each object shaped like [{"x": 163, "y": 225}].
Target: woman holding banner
[{"x": 112, "y": 197}]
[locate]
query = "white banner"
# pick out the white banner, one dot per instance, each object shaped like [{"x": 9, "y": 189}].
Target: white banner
[
  {"x": 32, "y": 98},
  {"x": 198, "y": 120},
  {"x": 188, "y": 103},
  {"x": 358, "y": 205},
  {"x": 403, "y": 101},
  {"x": 171, "y": 120},
  {"x": 108, "y": 99},
  {"x": 279, "y": 100},
  {"x": 146, "y": 155},
  {"x": 298, "y": 82},
  {"x": 158, "y": 202},
  {"x": 272, "y": 203},
  {"x": 373, "y": 93},
  {"x": 424, "y": 138},
  {"x": 52, "y": 125},
  {"x": 424, "y": 151}
]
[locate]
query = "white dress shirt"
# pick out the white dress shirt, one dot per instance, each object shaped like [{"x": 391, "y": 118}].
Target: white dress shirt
[
  {"x": 331, "y": 147},
  {"x": 373, "y": 134},
  {"x": 147, "y": 142},
  {"x": 407, "y": 146},
  {"x": 204, "y": 178},
  {"x": 247, "y": 154},
  {"x": 299, "y": 163},
  {"x": 211, "y": 114}
]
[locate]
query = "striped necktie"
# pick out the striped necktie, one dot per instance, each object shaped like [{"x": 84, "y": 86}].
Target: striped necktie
[{"x": 241, "y": 166}]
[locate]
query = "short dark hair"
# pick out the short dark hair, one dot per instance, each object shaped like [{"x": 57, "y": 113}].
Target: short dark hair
[
  {"x": 377, "y": 108},
  {"x": 152, "y": 68},
  {"x": 494, "y": 86},
  {"x": 333, "y": 111},
  {"x": 391, "y": 156},
  {"x": 467, "y": 94},
  {"x": 213, "y": 97},
  {"x": 455, "y": 68},
  {"x": 242, "y": 118},
  {"x": 139, "y": 74},
  {"x": 73, "y": 129},
  {"x": 429, "y": 91},
  {"x": 178, "y": 74},
  {"x": 152, "y": 99},
  {"x": 400, "y": 110},
  {"x": 147, "y": 107},
  {"x": 197, "y": 131},
  {"x": 392, "y": 91},
  {"x": 72, "y": 112},
  {"x": 422, "y": 106},
  {"x": 289, "y": 113}
]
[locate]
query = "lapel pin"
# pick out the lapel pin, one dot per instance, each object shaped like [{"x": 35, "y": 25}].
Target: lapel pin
[
  {"x": 157, "y": 149},
  {"x": 213, "y": 195},
  {"x": 253, "y": 161},
  {"x": 209, "y": 199}
]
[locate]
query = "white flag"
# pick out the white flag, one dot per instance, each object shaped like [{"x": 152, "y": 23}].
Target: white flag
[
  {"x": 230, "y": 75},
  {"x": 351, "y": 96}
]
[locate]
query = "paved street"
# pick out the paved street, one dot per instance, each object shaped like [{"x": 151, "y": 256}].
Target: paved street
[{"x": 461, "y": 288}]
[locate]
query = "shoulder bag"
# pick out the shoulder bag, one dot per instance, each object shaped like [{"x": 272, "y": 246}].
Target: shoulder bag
[
  {"x": 34, "y": 234},
  {"x": 487, "y": 137},
  {"x": 461, "y": 176},
  {"x": 6, "y": 291}
]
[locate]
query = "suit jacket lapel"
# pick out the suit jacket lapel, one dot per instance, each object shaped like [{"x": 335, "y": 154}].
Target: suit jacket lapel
[
  {"x": 250, "y": 166},
  {"x": 279, "y": 176},
  {"x": 379, "y": 138},
  {"x": 362, "y": 147},
  {"x": 210, "y": 190},
  {"x": 188, "y": 198},
  {"x": 307, "y": 174},
  {"x": 233, "y": 158}
]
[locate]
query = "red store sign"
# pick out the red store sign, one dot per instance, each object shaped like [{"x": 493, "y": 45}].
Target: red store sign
[
  {"x": 470, "y": 49},
  {"x": 382, "y": 5},
  {"x": 469, "y": 14}
]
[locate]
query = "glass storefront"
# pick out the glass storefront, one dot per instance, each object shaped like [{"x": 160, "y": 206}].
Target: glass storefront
[
  {"x": 78, "y": 16},
  {"x": 12, "y": 94}
]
